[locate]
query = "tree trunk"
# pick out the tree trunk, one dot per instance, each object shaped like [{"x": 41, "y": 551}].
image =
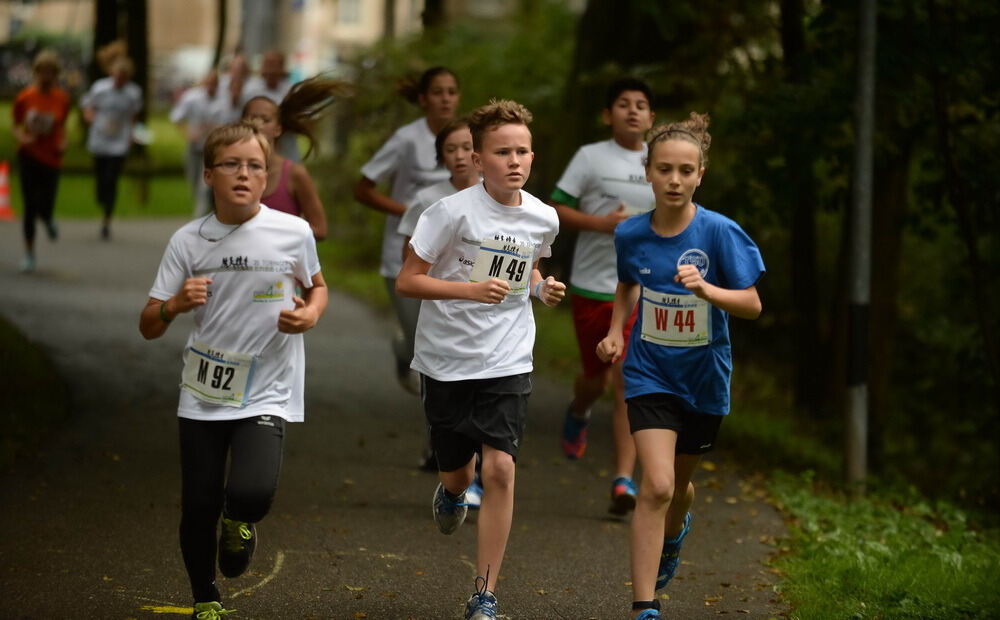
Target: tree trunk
[
  {"x": 809, "y": 368},
  {"x": 889, "y": 211},
  {"x": 222, "y": 11}
]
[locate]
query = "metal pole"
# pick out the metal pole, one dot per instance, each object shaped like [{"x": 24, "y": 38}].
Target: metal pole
[{"x": 856, "y": 436}]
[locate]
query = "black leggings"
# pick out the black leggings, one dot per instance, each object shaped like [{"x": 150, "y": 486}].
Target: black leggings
[
  {"x": 108, "y": 168},
  {"x": 38, "y": 187},
  {"x": 254, "y": 447}
]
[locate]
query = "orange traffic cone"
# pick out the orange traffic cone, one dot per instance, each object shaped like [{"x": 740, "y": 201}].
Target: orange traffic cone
[{"x": 6, "y": 213}]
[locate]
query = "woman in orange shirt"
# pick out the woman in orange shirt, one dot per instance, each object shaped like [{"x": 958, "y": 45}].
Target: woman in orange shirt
[{"x": 40, "y": 112}]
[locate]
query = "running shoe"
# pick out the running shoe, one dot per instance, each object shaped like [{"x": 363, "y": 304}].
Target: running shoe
[
  {"x": 648, "y": 614},
  {"x": 236, "y": 545},
  {"x": 574, "y": 437},
  {"x": 474, "y": 494},
  {"x": 623, "y": 494},
  {"x": 448, "y": 514},
  {"x": 28, "y": 263},
  {"x": 669, "y": 559},
  {"x": 211, "y": 610},
  {"x": 53, "y": 230},
  {"x": 482, "y": 605}
]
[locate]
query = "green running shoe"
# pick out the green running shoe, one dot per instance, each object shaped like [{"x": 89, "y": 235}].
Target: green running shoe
[
  {"x": 236, "y": 545},
  {"x": 212, "y": 610}
]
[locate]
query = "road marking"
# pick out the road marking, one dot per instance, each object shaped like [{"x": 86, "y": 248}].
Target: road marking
[
  {"x": 279, "y": 560},
  {"x": 168, "y": 609}
]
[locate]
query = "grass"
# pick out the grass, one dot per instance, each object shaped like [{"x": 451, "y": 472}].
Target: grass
[
  {"x": 35, "y": 399},
  {"x": 888, "y": 555}
]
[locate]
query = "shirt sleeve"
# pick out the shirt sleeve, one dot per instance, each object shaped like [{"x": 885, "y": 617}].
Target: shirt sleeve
[
  {"x": 309, "y": 265},
  {"x": 574, "y": 180},
  {"x": 385, "y": 161},
  {"x": 172, "y": 272},
  {"x": 182, "y": 109},
  {"x": 432, "y": 233},
  {"x": 740, "y": 262},
  {"x": 621, "y": 254}
]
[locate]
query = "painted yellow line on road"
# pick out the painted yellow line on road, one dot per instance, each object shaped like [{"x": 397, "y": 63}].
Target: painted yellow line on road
[
  {"x": 169, "y": 609},
  {"x": 279, "y": 560}
]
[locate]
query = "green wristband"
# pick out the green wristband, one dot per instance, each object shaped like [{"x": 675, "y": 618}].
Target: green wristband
[{"x": 163, "y": 314}]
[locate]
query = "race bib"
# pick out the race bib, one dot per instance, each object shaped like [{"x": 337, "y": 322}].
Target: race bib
[
  {"x": 506, "y": 261},
  {"x": 675, "y": 320},
  {"x": 216, "y": 376}
]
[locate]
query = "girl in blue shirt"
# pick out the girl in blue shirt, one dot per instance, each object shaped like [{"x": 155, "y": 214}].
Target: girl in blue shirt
[{"x": 689, "y": 268}]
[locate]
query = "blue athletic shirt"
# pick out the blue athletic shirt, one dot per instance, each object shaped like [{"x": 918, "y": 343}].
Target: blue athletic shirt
[{"x": 728, "y": 258}]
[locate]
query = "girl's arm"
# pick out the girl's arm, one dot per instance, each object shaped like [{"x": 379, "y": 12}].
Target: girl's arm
[
  {"x": 626, "y": 295},
  {"x": 742, "y": 303},
  {"x": 308, "y": 308},
  {"x": 365, "y": 193},
  {"x": 413, "y": 281},
  {"x": 305, "y": 194}
]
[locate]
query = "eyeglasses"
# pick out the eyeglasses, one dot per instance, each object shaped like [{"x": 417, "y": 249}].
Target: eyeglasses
[{"x": 232, "y": 166}]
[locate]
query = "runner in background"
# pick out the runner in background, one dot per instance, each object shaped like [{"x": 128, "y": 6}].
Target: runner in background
[
  {"x": 408, "y": 159},
  {"x": 604, "y": 184}
]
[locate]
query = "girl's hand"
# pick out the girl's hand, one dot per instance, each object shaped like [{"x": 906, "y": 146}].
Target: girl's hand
[
  {"x": 690, "y": 277},
  {"x": 611, "y": 349},
  {"x": 301, "y": 319},
  {"x": 551, "y": 291},
  {"x": 491, "y": 291}
]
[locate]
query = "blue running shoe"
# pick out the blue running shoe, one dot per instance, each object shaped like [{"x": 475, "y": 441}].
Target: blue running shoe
[
  {"x": 574, "y": 437},
  {"x": 669, "y": 559},
  {"x": 623, "y": 494},
  {"x": 482, "y": 605},
  {"x": 448, "y": 514},
  {"x": 474, "y": 494},
  {"x": 648, "y": 614}
]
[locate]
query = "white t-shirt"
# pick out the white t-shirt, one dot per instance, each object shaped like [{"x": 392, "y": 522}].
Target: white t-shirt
[
  {"x": 459, "y": 339},
  {"x": 409, "y": 155},
  {"x": 601, "y": 176},
  {"x": 255, "y": 270},
  {"x": 114, "y": 109},
  {"x": 425, "y": 198},
  {"x": 194, "y": 108}
]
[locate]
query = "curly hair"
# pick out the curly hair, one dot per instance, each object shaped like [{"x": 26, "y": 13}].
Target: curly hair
[
  {"x": 693, "y": 130},
  {"x": 494, "y": 114}
]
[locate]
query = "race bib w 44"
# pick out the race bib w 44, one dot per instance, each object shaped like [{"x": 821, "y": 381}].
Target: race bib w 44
[
  {"x": 504, "y": 260},
  {"x": 675, "y": 320},
  {"x": 216, "y": 376}
]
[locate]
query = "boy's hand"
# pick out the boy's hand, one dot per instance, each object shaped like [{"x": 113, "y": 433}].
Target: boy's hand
[
  {"x": 613, "y": 219},
  {"x": 490, "y": 291},
  {"x": 611, "y": 348},
  {"x": 296, "y": 321},
  {"x": 551, "y": 291},
  {"x": 690, "y": 277},
  {"x": 193, "y": 293}
]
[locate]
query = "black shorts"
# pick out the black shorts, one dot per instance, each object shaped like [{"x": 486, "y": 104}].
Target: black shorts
[
  {"x": 696, "y": 431},
  {"x": 463, "y": 415}
]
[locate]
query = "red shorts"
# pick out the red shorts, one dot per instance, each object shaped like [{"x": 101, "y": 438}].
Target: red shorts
[{"x": 591, "y": 319}]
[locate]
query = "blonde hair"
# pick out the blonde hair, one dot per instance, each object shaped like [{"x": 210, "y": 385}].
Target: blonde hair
[
  {"x": 494, "y": 114},
  {"x": 46, "y": 58},
  {"x": 230, "y": 134},
  {"x": 693, "y": 130},
  {"x": 304, "y": 104}
]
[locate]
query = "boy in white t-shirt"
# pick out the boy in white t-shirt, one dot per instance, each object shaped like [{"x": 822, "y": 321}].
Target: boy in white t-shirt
[
  {"x": 237, "y": 270},
  {"x": 474, "y": 264},
  {"x": 604, "y": 184}
]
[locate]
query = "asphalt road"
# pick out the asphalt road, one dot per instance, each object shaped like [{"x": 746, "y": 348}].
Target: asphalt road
[{"x": 90, "y": 523}]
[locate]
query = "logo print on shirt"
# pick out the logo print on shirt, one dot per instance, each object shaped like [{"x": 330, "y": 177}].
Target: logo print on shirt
[{"x": 695, "y": 257}]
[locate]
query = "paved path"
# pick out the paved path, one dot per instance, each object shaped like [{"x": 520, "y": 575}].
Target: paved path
[{"x": 90, "y": 523}]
